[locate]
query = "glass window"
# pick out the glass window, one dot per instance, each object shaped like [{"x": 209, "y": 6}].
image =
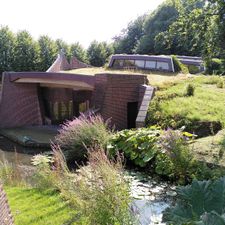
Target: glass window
[
  {"x": 150, "y": 64},
  {"x": 140, "y": 63},
  {"x": 162, "y": 65},
  {"x": 118, "y": 63},
  {"x": 128, "y": 63}
]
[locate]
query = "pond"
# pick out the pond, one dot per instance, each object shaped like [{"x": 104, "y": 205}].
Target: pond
[{"x": 151, "y": 196}]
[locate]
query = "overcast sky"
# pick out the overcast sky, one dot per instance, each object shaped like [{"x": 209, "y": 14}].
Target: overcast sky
[{"x": 73, "y": 20}]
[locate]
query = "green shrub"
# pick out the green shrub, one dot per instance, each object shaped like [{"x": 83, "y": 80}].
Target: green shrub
[
  {"x": 212, "y": 79},
  {"x": 190, "y": 89},
  {"x": 176, "y": 161},
  {"x": 178, "y": 66},
  {"x": 202, "y": 202},
  {"x": 220, "y": 84},
  {"x": 139, "y": 145},
  {"x": 193, "y": 69},
  {"x": 81, "y": 133},
  {"x": 43, "y": 177},
  {"x": 214, "y": 66}
]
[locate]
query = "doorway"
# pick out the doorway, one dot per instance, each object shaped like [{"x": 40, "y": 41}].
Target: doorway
[{"x": 132, "y": 111}]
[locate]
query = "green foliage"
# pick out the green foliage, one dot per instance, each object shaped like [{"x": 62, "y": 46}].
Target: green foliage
[
  {"x": 202, "y": 202},
  {"x": 214, "y": 66},
  {"x": 175, "y": 159},
  {"x": 178, "y": 66},
  {"x": 48, "y": 52},
  {"x": 7, "y": 45},
  {"x": 43, "y": 176},
  {"x": 26, "y": 54},
  {"x": 220, "y": 84},
  {"x": 190, "y": 89},
  {"x": 156, "y": 22},
  {"x": 201, "y": 114},
  {"x": 79, "y": 52},
  {"x": 76, "y": 136},
  {"x": 99, "y": 191},
  {"x": 138, "y": 146},
  {"x": 98, "y": 52},
  {"x": 193, "y": 69},
  {"x": 127, "y": 40},
  {"x": 32, "y": 206}
]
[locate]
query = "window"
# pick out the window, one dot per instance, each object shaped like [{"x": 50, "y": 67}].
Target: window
[
  {"x": 162, "y": 66},
  {"x": 150, "y": 64},
  {"x": 128, "y": 63},
  {"x": 140, "y": 63},
  {"x": 118, "y": 63}
]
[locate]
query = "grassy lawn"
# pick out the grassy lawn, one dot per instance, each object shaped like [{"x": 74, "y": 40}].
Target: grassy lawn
[
  {"x": 176, "y": 109},
  {"x": 155, "y": 78},
  {"x": 210, "y": 149},
  {"x": 33, "y": 207}
]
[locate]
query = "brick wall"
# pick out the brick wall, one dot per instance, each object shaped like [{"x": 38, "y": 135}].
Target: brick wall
[
  {"x": 5, "y": 214},
  {"x": 19, "y": 104},
  {"x": 113, "y": 92}
]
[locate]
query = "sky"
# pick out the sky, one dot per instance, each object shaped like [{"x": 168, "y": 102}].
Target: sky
[{"x": 73, "y": 20}]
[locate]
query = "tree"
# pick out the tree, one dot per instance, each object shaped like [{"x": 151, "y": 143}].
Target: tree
[
  {"x": 79, "y": 52},
  {"x": 26, "y": 53},
  {"x": 97, "y": 53},
  {"x": 62, "y": 45},
  {"x": 155, "y": 23},
  {"x": 127, "y": 40},
  {"x": 7, "y": 45},
  {"x": 48, "y": 52}
]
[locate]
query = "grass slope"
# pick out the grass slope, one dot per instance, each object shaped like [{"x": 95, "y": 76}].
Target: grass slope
[
  {"x": 172, "y": 107},
  {"x": 210, "y": 149},
  {"x": 33, "y": 207}
]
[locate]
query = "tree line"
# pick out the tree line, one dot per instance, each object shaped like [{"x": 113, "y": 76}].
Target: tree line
[
  {"x": 181, "y": 27},
  {"x": 20, "y": 52}
]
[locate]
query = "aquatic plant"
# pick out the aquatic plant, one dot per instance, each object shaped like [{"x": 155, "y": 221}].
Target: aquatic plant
[{"x": 202, "y": 202}]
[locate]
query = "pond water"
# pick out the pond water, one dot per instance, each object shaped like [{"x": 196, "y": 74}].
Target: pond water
[{"x": 151, "y": 196}]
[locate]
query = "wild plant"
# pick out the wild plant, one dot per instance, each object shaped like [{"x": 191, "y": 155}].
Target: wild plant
[
  {"x": 99, "y": 190},
  {"x": 81, "y": 133}
]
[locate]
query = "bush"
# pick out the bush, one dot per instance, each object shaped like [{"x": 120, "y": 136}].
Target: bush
[
  {"x": 44, "y": 177},
  {"x": 190, "y": 89},
  {"x": 178, "y": 66},
  {"x": 81, "y": 133},
  {"x": 175, "y": 159},
  {"x": 139, "y": 146},
  {"x": 99, "y": 191},
  {"x": 212, "y": 79},
  {"x": 202, "y": 202},
  {"x": 220, "y": 84},
  {"x": 214, "y": 66},
  {"x": 11, "y": 174},
  {"x": 193, "y": 69}
]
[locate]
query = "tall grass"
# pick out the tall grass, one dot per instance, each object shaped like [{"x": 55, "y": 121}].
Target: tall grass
[
  {"x": 97, "y": 190},
  {"x": 81, "y": 133}
]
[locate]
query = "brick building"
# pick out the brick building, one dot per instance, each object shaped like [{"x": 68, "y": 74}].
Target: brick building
[{"x": 39, "y": 98}]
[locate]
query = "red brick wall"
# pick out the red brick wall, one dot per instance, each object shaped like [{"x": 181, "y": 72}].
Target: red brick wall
[
  {"x": 113, "y": 92},
  {"x": 19, "y": 104},
  {"x": 5, "y": 213}
]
